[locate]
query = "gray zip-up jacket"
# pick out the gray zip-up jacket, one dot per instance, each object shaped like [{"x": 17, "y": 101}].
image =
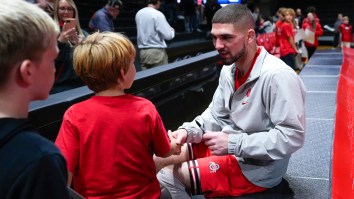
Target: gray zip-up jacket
[{"x": 265, "y": 118}]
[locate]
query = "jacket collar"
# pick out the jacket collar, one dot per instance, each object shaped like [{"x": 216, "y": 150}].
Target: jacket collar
[{"x": 257, "y": 68}]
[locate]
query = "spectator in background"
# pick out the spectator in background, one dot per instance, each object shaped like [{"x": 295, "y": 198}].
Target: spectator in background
[
  {"x": 153, "y": 29},
  {"x": 189, "y": 8},
  {"x": 108, "y": 140},
  {"x": 265, "y": 25},
  {"x": 313, "y": 10},
  {"x": 102, "y": 20},
  {"x": 256, "y": 13},
  {"x": 288, "y": 49},
  {"x": 280, "y": 14},
  {"x": 40, "y": 3},
  {"x": 31, "y": 166},
  {"x": 312, "y": 24},
  {"x": 211, "y": 7},
  {"x": 170, "y": 11},
  {"x": 65, "y": 77},
  {"x": 299, "y": 18},
  {"x": 336, "y": 30},
  {"x": 346, "y": 31}
]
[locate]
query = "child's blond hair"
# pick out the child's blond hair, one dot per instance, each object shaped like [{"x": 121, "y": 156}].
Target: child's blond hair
[
  {"x": 25, "y": 34},
  {"x": 99, "y": 59}
]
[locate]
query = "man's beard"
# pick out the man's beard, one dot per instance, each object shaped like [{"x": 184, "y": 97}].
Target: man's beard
[{"x": 229, "y": 61}]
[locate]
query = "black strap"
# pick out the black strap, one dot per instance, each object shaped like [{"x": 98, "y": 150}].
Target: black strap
[{"x": 13, "y": 130}]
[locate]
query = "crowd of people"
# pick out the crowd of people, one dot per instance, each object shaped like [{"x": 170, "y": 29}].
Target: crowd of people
[
  {"x": 297, "y": 34},
  {"x": 293, "y": 31},
  {"x": 114, "y": 144}
]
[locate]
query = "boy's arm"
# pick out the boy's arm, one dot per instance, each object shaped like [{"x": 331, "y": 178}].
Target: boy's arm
[
  {"x": 175, "y": 148},
  {"x": 70, "y": 178}
]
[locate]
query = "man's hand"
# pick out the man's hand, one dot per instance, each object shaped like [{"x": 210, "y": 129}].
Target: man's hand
[{"x": 217, "y": 142}]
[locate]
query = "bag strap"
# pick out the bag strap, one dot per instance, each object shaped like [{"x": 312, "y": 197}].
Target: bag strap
[{"x": 13, "y": 130}]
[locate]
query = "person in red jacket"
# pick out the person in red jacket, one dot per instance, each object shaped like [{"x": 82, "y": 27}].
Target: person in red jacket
[
  {"x": 314, "y": 26},
  {"x": 346, "y": 30}
]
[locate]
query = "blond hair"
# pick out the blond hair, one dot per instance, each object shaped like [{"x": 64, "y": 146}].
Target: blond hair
[
  {"x": 292, "y": 13},
  {"x": 99, "y": 59},
  {"x": 76, "y": 14},
  {"x": 26, "y": 32}
]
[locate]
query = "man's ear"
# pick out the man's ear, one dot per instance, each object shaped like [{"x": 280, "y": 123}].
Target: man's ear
[
  {"x": 25, "y": 73},
  {"x": 251, "y": 35}
]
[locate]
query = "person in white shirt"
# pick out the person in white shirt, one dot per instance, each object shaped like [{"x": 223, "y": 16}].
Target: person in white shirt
[{"x": 153, "y": 29}]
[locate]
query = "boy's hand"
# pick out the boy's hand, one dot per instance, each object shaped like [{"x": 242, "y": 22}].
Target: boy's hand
[
  {"x": 175, "y": 147},
  {"x": 180, "y": 135}
]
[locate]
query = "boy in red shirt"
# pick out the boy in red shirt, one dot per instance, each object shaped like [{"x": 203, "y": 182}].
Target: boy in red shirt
[
  {"x": 109, "y": 139},
  {"x": 346, "y": 31}
]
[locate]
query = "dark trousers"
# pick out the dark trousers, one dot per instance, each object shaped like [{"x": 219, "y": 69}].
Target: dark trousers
[
  {"x": 336, "y": 40},
  {"x": 289, "y": 59},
  {"x": 310, "y": 51}
]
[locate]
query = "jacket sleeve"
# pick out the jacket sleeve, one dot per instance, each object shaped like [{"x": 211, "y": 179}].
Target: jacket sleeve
[
  {"x": 284, "y": 100},
  {"x": 319, "y": 30}
]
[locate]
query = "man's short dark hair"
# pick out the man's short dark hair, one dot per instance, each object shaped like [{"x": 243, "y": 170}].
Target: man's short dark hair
[
  {"x": 114, "y": 3},
  {"x": 237, "y": 14},
  {"x": 153, "y": 2}
]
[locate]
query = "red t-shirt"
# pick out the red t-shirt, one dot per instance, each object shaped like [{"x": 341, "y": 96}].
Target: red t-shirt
[
  {"x": 242, "y": 80},
  {"x": 108, "y": 144},
  {"x": 278, "y": 32},
  {"x": 347, "y": 32},
  {"x": 287, "y": 31}
]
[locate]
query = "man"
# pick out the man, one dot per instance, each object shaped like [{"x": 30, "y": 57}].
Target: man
[
  {"x": 40, "y": 3},
  {"x": 153, "y": 29},
  {"x": 299, "y": 17},
  {"x": 102, "y": 20},
  {"x": 336, "y": 30},
  {"x": 31, "y": 166},
  {"x": 243, "y": 141}
]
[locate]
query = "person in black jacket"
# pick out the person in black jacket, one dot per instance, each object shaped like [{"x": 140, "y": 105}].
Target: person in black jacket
[
  {"x": 65, "y": 77},
  {"x": 32, "y": 167}
]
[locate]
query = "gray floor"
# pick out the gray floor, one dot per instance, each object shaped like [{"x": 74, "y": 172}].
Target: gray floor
[
  {"x": 310, "y": 167},
  {"x": 308, "y": 175}
]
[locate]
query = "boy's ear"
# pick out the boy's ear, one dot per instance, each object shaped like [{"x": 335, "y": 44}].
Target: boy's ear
[
  {"x": 25, "y": 73},
  {"x": 121, "y": 78}
]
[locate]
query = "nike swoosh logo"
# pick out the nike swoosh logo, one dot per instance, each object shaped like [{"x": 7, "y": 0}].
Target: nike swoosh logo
[{"x": 243, "y": 103}]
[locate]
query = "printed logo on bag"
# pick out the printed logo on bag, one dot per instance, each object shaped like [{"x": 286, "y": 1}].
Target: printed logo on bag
[{"x": 213, "y": 167}]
